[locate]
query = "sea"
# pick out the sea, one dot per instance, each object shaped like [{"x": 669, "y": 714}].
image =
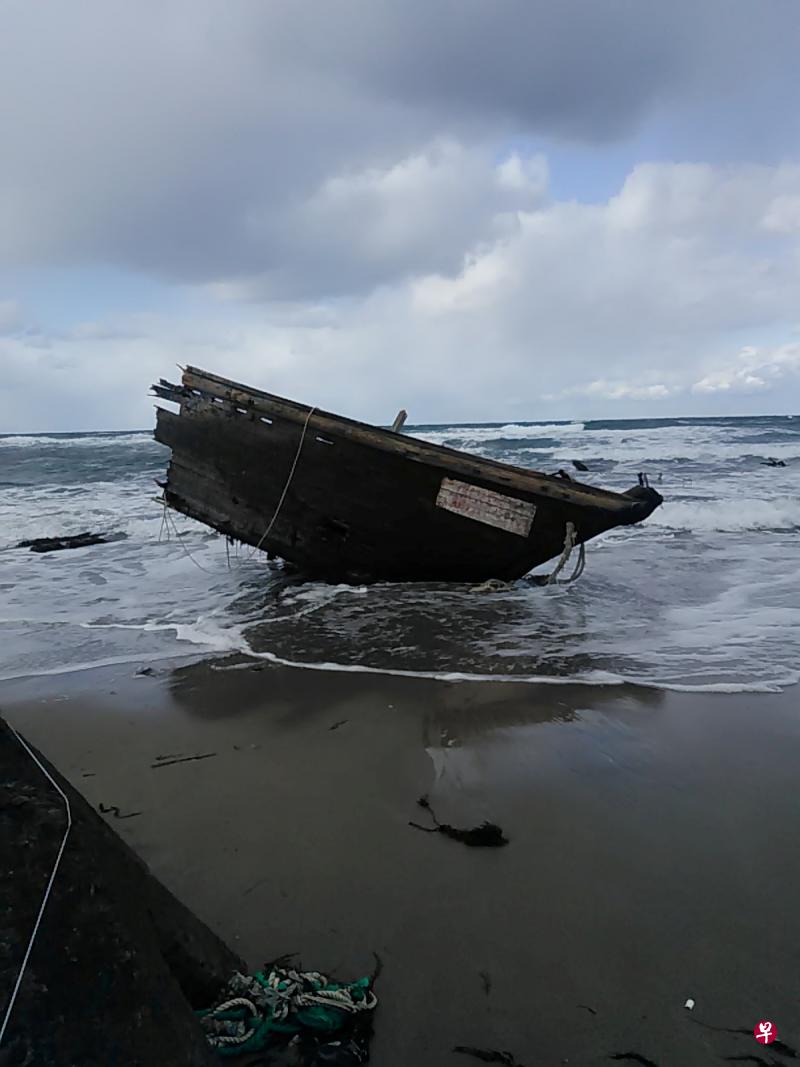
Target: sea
[{"x": 703, "y": 596}]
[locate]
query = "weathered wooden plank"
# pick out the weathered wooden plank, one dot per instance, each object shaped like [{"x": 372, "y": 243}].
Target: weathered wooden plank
[
  {"x": 515, "y": 478},
  {"x": 486, "y": 505}
]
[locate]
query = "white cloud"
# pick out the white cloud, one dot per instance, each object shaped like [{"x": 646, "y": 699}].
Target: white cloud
[
  {"x": 655, "y": 300},
  {"x": 359, "y": 206},
  {"x": 622, "y": 390},
  {"x": 181, "y": 139},
  {"x": 754, "y": 369},
  {"x": 363, "y": 228},
  {"x": 783, "y": 215}
]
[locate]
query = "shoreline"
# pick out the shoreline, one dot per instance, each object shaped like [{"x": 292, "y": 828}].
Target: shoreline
[
  {"x": 652, "y": 852},
  {"x": 253, "y": 660}
]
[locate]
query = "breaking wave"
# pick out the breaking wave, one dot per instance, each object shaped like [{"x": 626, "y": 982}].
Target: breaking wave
[
  {"x": 91, "y": 440},
  {"x": 728, "y": 516},
  {"x": 465, "y": 436}
]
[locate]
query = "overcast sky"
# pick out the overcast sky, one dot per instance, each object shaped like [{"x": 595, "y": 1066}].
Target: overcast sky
[{"x": 478, "y": 211}]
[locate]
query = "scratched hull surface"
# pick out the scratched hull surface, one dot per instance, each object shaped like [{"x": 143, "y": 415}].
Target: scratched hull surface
[{"x": 344, "y": 500}]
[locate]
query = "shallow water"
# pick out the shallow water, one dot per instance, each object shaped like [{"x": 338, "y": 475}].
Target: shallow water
[{"x": 704, "y": 595}]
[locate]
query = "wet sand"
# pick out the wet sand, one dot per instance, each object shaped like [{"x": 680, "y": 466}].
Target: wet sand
[{"x": 653, "y": 853}]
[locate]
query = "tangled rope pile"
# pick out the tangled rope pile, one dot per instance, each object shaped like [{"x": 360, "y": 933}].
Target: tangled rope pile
[{"x": 282, "y": 1004}]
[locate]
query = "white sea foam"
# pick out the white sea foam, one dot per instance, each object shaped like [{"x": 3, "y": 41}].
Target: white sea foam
[
  {"x": 704, "y": 443},
  {"x": 76, "y": 667},
  {"x": 590, "y": 678},
  {"x": 99, "y": 440},
  {"x": 41, "y": 511},
  {"x": 674, "y": 444},
  {"x": 320, "y": 592},
  {"x": 472, "y": 435},
  {"x": 728, "y": 516}
]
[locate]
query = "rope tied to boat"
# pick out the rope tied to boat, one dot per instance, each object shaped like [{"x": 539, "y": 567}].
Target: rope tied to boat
[
  {"x": 282, "y": 1003},
  {"x": 570, "y": 538},
  {"x": 167, "y": 519},
  {"x": 266, "y": 533},
  {"x": 494, "y": 585}
]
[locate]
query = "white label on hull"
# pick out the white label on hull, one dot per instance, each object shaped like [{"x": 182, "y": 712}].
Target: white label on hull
[{"x": 484, "y": 505}]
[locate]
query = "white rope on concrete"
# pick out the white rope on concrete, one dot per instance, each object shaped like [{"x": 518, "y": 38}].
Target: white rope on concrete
[{"x": 50, "y": 882}]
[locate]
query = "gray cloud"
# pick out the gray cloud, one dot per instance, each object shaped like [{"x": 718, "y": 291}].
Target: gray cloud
[
  {"x": 678, "y": 294},
  {"x": 198, "y": 140},
  {"x": 357, "y": 197}
]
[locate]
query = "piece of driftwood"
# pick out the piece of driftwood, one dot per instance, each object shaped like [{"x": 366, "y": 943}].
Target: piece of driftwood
[
  {"x": 81, "y": 540},
  {"x": 341, "y": 499},
  {"x": 399, "y": 421},
  {"x": 118, "y": 963}
]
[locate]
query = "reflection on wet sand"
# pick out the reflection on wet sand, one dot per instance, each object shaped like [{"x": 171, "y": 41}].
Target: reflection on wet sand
[{"x": 640, "y": 827}]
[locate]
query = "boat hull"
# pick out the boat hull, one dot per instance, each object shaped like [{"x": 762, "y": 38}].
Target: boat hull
[{"x": 343, "y": 500}]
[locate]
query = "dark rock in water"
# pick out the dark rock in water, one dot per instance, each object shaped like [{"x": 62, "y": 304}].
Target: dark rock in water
[
  {"x": 82, "y": 540},
  {"x": 579, "y": 465},
  {"x": 118, "y": 963}
]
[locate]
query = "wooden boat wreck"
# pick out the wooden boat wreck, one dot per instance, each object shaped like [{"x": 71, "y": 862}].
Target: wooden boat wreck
[{"x": 343, "y": 500}]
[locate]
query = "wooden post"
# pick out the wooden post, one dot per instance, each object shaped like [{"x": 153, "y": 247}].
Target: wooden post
[{"x": 402, "y": 415}]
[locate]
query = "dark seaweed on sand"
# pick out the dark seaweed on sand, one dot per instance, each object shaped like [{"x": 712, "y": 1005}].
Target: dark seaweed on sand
[
  {"x": 487, "y": 835},
  {"x": 488, "y": 1055}
]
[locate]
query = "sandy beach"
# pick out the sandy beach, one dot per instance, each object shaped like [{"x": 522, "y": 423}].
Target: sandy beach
[{"x": 652, "y": 853}]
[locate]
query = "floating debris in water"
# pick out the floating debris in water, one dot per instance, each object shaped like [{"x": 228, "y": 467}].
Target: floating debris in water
[
  {"x": 491, "y": 585},
  {"x": 81, "y": 540}
]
